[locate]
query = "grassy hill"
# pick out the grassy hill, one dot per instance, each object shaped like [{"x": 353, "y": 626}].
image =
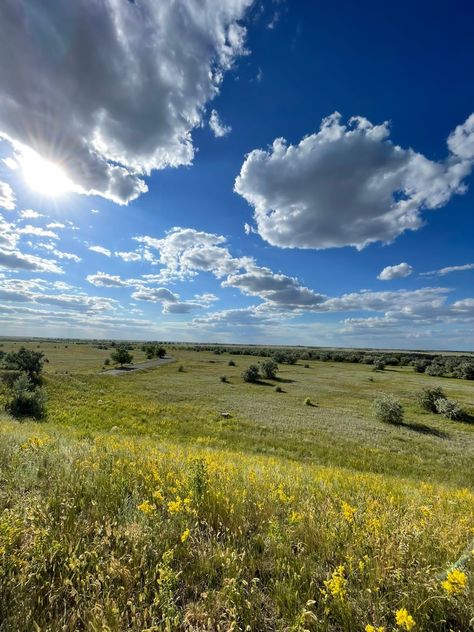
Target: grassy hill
[{"x": 137, "y": 506}]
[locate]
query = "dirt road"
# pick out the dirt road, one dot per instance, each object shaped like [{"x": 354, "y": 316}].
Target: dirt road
[{"x": 131, "y": 368}]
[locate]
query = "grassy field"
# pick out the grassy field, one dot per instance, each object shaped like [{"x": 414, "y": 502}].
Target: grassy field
[{"x": 137, "y": 506}]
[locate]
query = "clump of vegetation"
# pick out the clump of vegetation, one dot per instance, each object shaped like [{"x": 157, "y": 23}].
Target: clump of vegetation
[
  {"x": 449, "y": 408},
  {"x": 181, "y": 369},
  {"x": 26, "y": 399},
  {"x": 153, "y": 350},
  {"x": 121, "y": 355},
  {"x": 269, "y": 369},
  {"x": 379, "y": 365},
  {"x": 306, "y": 366},
  {"x": 388, "y": 409},
  {"x": 223, "y": 378},
  {"x": 307, "y": 401},
  {"x": 428, "y": 397},
  {"x": 107, "y": 362},
  {"x": 278, "y": 389},
  {"x": 231, "y": 363},
  {"x": 251, "y": 374},
  {"x": 27, "y": 361}
]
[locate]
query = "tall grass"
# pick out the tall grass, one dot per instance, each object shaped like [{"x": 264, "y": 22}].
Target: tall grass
[{"x": 106, "y": 532}]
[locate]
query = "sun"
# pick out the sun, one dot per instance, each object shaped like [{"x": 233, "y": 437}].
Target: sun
[{"x": 44, "y": 176}]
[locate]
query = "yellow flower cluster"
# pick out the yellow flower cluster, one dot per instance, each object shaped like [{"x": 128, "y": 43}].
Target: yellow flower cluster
[
  {"x": 146, "y": 507},
  {"x": 373, "y": 628},
  {"x": 348, "y": 511},
  {"x": 455, "y": 582},
  {"x": 404, "y": 620},
  {"x": 336, "y": 584}
]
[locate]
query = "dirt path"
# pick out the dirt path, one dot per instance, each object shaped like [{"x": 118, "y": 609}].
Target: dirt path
[{"x": 131, "y": 368}]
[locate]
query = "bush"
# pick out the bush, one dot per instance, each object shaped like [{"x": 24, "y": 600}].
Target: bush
[
  {"x": 429, "y": 396},
  {"x": 223, "y": 378},
  {"x": 231, "y": 363},
  {"x": 449, "y": 408},
  {"x": 10, "y": 377},
  {"x": 26, "y": 399},
  {"x": 181, "y": 369},
  {"x": 107, "y": 362},
  {"x": 269, "y": 369},
  {"x": 306, "y": 366},
  {"x": 27, "y": 361},
  {"x": 307, "y": 401},
  {"x": 419, "y": 366},
  {"x": 278, "y": 389},
  {"x": 388, "y": 409},
  {"x": 465, "y": 371},
  {"x": 379, "y": 365},
  {"x": 435, "y": 369},
  {"x": 251, "y": 374}
]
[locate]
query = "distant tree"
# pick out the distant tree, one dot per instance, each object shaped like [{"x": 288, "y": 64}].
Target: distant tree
[
  {"x": 379, "y": 365},
  {"x": 269, "y": 369},
  {"x": 121, "y": 355},
  {"x": 251, "y": 374},
  {"x": 26, "y": 361},
  {"x": 465, "y": 371}
]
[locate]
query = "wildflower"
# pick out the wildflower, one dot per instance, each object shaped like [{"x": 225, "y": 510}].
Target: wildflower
[
  {"x": 157, "y": 495},
  {"x": 373, "y": 628},
  {"x": 174, "y": 506},
  {"x": 455, "y": 582},
  {"x": 336, "y": 584},
  {"x": 348, "y": 511},
  {"x": 404, "y": 620},
  {"x": 185, "y": 535},
  {"x": 295, "y": 517},
  {"x": 146, "y": 507}
]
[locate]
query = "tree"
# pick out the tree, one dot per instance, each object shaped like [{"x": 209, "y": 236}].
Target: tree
[
  {"x": 26, "y": 361},
  {"x": 269, "y": 369},
  {"x": 26, "y": 399},
  {"x": 121, "y": 355}
]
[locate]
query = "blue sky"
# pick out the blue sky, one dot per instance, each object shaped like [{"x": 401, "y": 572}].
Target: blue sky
[{"x": 262, "y": 172}]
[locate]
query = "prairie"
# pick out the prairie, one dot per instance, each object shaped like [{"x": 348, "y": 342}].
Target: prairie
[{"x": 137, "y": 506}]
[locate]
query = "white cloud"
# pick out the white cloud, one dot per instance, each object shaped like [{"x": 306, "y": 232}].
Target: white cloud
[
  {"x": 108, "y": 108},
  {"x": 16, "y": 260},
  {"x": 218, "y": 128},
  {"x": 29, "y": 214},
  {"x": 399, "y": 271},
  {"x": 55, "y": 225},
  {"x": 448, "y": 270},
  {"x": 155, "y": 295},
  {"x": 37, "y": 231},
  {"x": 347, "y": 185},
  {"x": 7, "y": 197},
  {"x": 129, "y": 256},
  {"x": 461, "y": 140},
  {"x": 69, "y": 256},
  {"x": 102, "y": 279},
  {"x": 101, "y": 250}
]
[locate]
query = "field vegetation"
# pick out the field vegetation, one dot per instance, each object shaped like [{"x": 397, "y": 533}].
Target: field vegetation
[{"x": 137, "y": 504}]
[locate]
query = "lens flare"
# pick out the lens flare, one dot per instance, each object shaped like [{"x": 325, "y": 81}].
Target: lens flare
[{"x": 44, "y": 176}]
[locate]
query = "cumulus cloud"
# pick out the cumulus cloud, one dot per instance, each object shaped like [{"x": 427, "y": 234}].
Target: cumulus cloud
[
  {"x": 448, "y": 270},
  {"x": 103, "y": 279},
  {"x": 29, "y": 214},
  {"x": 16, "y": 260},
  {"x": 399, "y": 271},
  {"x": 7, "y": 197},
  {"x": 87, "y": 94},
  {"x": 37, "y": 231},
  {"x": 101, "y": 250},
  {"x": 129, "y": 256},
  {"x": 60, "y": 254},
  {"x": 218, "y": 128},
  {"x": 155, "y": 295},
  {"x": 348, "y": 185}
]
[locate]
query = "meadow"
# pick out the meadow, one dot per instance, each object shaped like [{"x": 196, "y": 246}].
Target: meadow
[{"x": 135, "y": 505}]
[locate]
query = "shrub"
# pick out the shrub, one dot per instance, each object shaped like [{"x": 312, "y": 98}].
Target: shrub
[
  {"x": 181, "y": 369},
  {"x": 223, "y": 378},
  {"x": 251, "y": 374},
  {"x": 419, "y": 366},
  {"x": 27, "y": 361},
  {"x": 26, "y": 399},
  {"x": 269, "y": 369},
  {"x": 388, "y": 409},
  {"x": 231, "y": 363},
  {"x": 107, "y": 362},
  {"x": 306, "y": 366},
  {"x": 379, "y": 365},
  {"x": 10, "y": 377},
  {"x": 449, "y": 408},
  {"x": 278, "y": 389},
  {"x": 465, "y": 371},
  {"x": 428, "y": 397},
  {"x": 307, "y": 401},
  {"x": 435, "y": 369}
]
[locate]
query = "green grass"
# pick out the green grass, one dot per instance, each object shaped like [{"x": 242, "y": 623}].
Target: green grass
[{"x": 97, "y": 500}]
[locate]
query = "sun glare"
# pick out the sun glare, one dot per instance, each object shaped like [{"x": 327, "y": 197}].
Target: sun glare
[{"x": 44, "y": 176}]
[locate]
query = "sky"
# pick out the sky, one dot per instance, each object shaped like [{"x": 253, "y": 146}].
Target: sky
[{"x": 262, "y": 172}]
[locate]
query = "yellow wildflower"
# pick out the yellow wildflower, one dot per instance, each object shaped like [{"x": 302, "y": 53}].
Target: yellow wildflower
[
  {"x": 174, "y": 506},
  {"x": 146, "y": 507},
  {"x": 404, "y": 620},
  {"x": 455, "y": 582},
  {"x": 185, "y": 535},
  {"x": 348, "y": 511},
  {"x": 157, "y": 495},
  {"x": 295, "y": 517},
  {"x": 373, "y": 628},
  {"x": 336, "y": 584}
]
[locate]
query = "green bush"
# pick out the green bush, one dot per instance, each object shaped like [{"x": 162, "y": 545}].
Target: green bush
[
  {"x": 449, "y": 408},
  {"x": 26, "y": 399},
  {"x": 278, "y": 389},
  {"x": 223, "y": 378},
  {"x": 121, "y": 355},
  {"x": 379, "y": 365},
  {"x": 231, "y": 363},
  {"x": 251, "y": 374},
  {"x": 428, "y": 397},
  {"x": 388, "y": 409},
  {"x": 269, "y": 369},
  {"x": 307, "y": 401}
]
